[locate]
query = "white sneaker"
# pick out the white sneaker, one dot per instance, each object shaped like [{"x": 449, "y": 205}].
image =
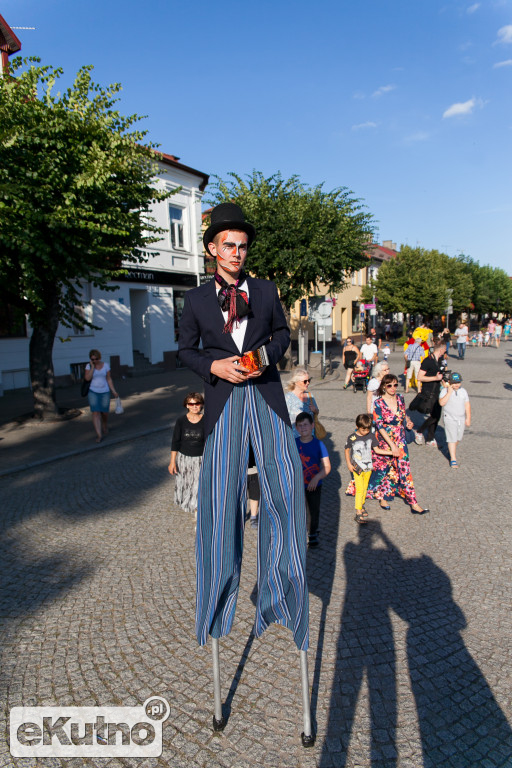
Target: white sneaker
[
  {"x": 432, "y": 443},
  {"x": 419, "y": 439}
]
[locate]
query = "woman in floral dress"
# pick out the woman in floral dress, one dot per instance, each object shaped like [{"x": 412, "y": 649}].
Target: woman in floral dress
[{"x": 391, "y": 476}]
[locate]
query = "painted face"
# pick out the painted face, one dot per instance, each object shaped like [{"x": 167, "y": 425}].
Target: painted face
[{"x": 230, "y": 252}]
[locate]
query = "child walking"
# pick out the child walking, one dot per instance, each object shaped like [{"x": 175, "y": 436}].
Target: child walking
[
  {"x": 358, "y": 455},
  {"x": 457, "y": 413},
  {"x": 315, "y": 465}
]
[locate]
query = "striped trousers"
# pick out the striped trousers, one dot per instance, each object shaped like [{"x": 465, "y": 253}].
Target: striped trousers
[{"x": 222, "y": 500}]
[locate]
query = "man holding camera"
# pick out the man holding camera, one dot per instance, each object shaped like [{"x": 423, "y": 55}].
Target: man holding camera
[{"x": 430, "y": 377}]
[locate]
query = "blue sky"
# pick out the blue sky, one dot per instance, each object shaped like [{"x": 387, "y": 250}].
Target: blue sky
[{"x": 405, "y": 102}]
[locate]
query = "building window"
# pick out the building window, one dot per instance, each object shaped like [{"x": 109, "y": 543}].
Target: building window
[
  {"x": 176, "y": 227},
  {"x": 360, "y": 277},
  {"x": 354, "y": 278},
  {"x": 12, "y": 322}
]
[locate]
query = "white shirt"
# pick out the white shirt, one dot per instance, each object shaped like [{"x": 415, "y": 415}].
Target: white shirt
[
  {"x": 238, "y": 333},
  {"x": 368, "y": 351}
]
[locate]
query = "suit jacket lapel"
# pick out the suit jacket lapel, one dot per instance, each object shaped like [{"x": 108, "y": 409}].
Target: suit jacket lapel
[{"x": 252, "y": 319}]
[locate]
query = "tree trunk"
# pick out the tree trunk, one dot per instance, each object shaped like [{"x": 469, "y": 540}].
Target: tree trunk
[{"x": 42, "y": 375}]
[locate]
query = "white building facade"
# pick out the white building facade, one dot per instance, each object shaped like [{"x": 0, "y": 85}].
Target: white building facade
[{"x": 141, "y": 317}]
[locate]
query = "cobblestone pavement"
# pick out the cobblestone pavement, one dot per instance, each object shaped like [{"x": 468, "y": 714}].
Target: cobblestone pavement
[{"x": 410, "y": 659}]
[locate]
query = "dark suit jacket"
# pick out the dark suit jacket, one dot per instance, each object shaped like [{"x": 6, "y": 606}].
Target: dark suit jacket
[{"x": 202, "y": 321}]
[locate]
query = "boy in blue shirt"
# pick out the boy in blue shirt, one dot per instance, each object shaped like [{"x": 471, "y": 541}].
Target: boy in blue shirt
[{"x": 315, "y": 466}]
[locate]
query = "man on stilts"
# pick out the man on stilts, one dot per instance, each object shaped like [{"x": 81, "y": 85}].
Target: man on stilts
[{"x": 230, "y": 316}]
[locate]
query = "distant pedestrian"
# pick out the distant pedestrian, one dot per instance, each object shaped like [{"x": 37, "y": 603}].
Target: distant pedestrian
[
  {"x": 386, "y": 351},
  {"x": 349, "y": 358},
  {"x": 298, "y": 397},
  {"x": 358, "y": 455},
  {"x": 187, "y": 452},
  {"x": 462, "y": 334},
  {"x": 497, "y": 333},
  {"x": 456, "y": 412},
  {"x": 369, "y": 350},
  {"x": 396, "y": 329},
  {"x": 379, "y": 371},
  {"x": 413, "y": 354},
  {"x": 315, "y": 465},
  {"x": 447, "y": 338},
  {"x": 101, "y": 385}
]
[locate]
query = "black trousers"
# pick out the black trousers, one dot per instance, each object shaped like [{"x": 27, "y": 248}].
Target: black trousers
[
  {"x": 313, "y": 502},
  {"x": 430, "y": 424}
]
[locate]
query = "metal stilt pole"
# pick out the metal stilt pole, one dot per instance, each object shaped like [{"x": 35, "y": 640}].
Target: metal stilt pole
[
  {"x": 307, "y": 736},
  {"x": 219, "y": 722}
]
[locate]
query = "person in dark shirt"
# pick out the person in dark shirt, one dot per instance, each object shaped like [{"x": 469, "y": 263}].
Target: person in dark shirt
[
  {"x": 430, "y": 376},
  {"x": 187, "y": 451}
]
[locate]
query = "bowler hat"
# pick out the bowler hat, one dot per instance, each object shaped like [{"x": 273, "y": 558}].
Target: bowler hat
[{"x": 227, "y": 216}]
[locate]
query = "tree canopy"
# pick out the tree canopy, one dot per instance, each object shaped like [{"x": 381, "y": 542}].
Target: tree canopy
[
  {"x": 76, "y": 187},
  {"x": 425, "y": 281},
  {"x": 304, "y": 235}
]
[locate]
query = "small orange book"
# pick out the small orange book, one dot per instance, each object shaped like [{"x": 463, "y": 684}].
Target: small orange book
[{"x": 256, "y": 360}]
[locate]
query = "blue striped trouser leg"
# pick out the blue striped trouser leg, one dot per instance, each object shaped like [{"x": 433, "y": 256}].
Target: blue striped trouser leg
[{"x": 282, "y": 591}]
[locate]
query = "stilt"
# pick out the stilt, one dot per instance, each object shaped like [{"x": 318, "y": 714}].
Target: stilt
[
  {"x": 219, "y": 722},
  {"x": 307, "y": 736}
]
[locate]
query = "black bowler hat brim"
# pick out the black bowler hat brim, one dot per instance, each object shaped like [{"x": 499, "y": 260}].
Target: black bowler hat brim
[{"x": 227, "y": 216}]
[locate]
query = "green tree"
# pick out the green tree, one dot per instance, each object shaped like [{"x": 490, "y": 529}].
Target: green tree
[
  {"x": 423, "y": 281},
  {"x": 492, "y": 287},
  {"x": 305, "y": 236},
  {"x": 76, "y": 186}
]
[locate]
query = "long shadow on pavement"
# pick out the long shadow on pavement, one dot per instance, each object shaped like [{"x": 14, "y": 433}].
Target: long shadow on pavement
[{"x": 459, "y": 720}]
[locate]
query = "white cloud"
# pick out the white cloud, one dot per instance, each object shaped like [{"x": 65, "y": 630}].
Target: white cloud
[
  {"x": 361, "y": 126},
  {"x": 474, "y": 7},
  {"x": 504, "y": 35},
  {"x": 383, "y": 89},
  {"x": 359, "y": 95},
  {"x": 462, "y": 108},
  {"x": 507, "y": 63}
]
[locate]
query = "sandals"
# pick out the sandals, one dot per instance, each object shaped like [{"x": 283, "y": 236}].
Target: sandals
[
  {"x": 360, "y": 519},
  {"x": 384, "y": 506},
  {"x": 453, "y": 464}
]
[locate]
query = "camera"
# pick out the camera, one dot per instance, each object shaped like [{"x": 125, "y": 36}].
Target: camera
[{"x": 446, "y": 375}]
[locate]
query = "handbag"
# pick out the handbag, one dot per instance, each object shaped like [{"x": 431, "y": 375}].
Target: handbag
[
  {"x": 424, "y": 403},
  {"x": 119, "y": 406},
  {"x": 84, "y": 391},
  {"x": 320, "y": 430}
]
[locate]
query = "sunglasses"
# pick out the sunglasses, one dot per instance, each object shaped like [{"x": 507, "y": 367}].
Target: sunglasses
[
  {"x": 306, "y": 381},
  {"x": 194, "y": 403},
  {"x": 391, "y": 385}
]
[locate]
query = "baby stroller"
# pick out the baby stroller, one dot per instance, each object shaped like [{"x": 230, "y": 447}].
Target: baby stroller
[{"x": 361, "y": 378}]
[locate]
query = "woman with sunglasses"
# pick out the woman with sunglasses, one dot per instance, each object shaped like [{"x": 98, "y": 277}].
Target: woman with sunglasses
[
  {"x": 351, "y": 355},
  {"x": 391, "y": 475},
  {"x": 187, "y": 451},
  {"x": 101, "y": 385},
  {"x": 298, "y": 399}
]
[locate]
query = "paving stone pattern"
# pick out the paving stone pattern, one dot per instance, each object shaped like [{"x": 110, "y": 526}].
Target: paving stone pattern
[{"x": 410, "y": 659}]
